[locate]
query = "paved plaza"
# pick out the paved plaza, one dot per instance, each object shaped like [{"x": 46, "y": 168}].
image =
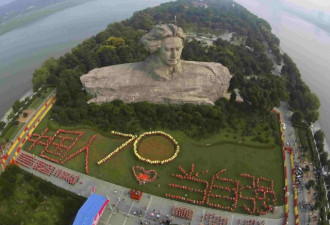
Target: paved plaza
[{"x": 149, "y": 210}]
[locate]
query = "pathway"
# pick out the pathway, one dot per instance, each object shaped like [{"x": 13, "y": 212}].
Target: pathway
[
  {"x": 123, "y": 210},
  {"x": 27, "y": 130},
  {"x": 289, "y": 137}
]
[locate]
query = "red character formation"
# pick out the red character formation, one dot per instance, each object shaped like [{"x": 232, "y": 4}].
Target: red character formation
[
  {"x": 258, "y": 199},
  {"x": 60, "y": 144},
  {"x": 261, "y": 203}
]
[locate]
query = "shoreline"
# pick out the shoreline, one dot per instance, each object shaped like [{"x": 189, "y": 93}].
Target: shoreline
[
  {"x": 27, "y": 94},
  {"x": 317, "y": 126},
  {"x": 33, "y": 16}
]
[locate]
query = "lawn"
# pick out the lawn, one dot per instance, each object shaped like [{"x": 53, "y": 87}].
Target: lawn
[
  {"x": 11, "y": 132},
  {"x": 26, "y": 199},
  {"x": 225, "y": 150},
  {"x": 39, "y": 99}
]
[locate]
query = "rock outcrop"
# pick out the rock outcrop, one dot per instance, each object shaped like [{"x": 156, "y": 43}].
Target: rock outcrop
[
  {"x": 163, "y": 77},
  {"x": 195, "y": 82}
]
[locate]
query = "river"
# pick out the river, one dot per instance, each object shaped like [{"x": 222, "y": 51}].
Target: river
[
  {"x": 24, "y": 49},
  {"x": 307, "y": 45}
]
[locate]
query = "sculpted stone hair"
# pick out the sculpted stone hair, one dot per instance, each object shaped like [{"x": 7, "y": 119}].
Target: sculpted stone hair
[{"x": 154, "y": 39}]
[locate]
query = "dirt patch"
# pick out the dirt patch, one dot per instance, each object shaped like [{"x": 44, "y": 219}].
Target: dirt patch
[
  {"x": 156, "y": 147},
  {"x": 23, "y": 119},
  {"x": 310, "y": 196},
  {"x": 314, "y": 218}
]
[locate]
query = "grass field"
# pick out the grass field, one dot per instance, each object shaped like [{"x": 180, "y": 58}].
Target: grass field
[
  {"x": 225, "y": 150},
  {"x": 26, "y": 199},
  {"x": 39, "y": 98},
  {"x": 11, "y": 132}
]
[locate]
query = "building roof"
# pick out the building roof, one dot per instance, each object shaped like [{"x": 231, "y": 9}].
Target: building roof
[{"x": 89, "y": 210}]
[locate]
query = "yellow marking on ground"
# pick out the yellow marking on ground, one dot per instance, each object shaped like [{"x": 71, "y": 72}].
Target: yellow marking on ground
[
  {"x": 30, "y": 131},
  {"x": 31, "y": 122},
  {"x": 43, "y": 107}
]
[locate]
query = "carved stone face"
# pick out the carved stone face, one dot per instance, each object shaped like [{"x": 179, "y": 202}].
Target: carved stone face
[{"x": 171, "y": 50}]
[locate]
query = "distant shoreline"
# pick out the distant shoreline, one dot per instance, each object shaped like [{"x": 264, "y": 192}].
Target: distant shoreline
[
  {"x": 26, "y": 19},
  {"x": 320, "y": 24},
  {"x": 34, "y": 16}
]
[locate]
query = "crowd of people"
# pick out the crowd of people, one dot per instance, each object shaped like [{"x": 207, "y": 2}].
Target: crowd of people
[
  {"x": 212, "y": 219},
  {"x": 250, "y": 222},
  {"x": 182, "y": 212},
  {"x": 30, "y": 161}
]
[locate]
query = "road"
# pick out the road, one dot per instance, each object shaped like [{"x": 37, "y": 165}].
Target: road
[
  {"x": 28, "y": 129},
  {"x": 289, "y": 137}
]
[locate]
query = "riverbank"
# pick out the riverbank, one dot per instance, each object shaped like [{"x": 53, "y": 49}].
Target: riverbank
[
  {"x": 37, "y": 14},
  {"x": 24, "y": 49},
  {"x": 27, "y": 94},
  {"x": 308, "y": 46},
  {"x": 316, "y": 127}
]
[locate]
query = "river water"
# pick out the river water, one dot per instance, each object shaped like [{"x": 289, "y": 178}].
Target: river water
[
  {"x": 24, "y": 49},
  {"x": 307, "y": 45}
]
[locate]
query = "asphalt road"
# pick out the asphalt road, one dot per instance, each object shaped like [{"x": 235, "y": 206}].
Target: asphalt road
[
  {"x": 289, "y": 136},
  {"x": 18, "y": 141}
]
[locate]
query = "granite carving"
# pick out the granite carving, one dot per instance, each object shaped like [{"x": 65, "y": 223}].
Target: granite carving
[{"x": 162, "y": 78}]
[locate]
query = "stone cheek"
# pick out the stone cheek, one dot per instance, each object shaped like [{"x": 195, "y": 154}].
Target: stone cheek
[{"x": 199, "y": 83}]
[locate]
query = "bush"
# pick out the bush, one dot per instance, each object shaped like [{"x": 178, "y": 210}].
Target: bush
[
  {"x": 310, "y": 184},
  {"x": 2, "y": 125}
]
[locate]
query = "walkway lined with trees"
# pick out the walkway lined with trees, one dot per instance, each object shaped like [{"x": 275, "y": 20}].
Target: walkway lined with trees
[{"x": 27, "y": 130}]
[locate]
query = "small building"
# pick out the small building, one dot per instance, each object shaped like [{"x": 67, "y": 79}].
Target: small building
[{"x": 91, "y": 211}]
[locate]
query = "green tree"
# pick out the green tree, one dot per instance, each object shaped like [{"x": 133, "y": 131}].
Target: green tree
[
  {"x": 51, "y": 65},
  {"x": 296, "y": 117},
  {"x": 312, "y": 116},
  {"x": 324, "y": 158},
  {"x": 39, "y": 78},
  {"x": 2, "y": 125},
  {"x": 310, "y": 184},
  {"x": 142, "y": 20},
  {"x": 17, "y": 105},
  {"x": 233, "y": 96},
  {"x": 108, "y": 55},
  {"x": 319, "y": 140},
  {"x": 115, "y": 41}
]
